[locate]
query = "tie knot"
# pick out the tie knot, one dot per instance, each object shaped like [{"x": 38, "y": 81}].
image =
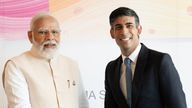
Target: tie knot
[{"x": 127, "y": 61}]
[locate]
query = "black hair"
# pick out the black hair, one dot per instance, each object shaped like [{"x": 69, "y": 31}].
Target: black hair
[{"x": 123, "y": 11}]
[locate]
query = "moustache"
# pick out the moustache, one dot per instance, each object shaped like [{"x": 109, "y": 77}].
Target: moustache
[{"x": 50, "y": 42}]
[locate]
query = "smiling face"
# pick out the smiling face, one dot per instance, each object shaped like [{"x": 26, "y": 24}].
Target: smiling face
[{"x": 126, "y": 33}]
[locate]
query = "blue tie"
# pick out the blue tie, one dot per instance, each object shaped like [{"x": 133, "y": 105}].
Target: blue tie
[{"x": 128, "y": 80}]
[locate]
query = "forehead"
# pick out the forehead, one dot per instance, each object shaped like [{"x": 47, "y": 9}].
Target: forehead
[
  {"x": 124, "y": 20},
  {"x": 46, "y": 22}
]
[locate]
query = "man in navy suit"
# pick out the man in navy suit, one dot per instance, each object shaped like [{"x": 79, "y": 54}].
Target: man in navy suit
[{"x": 155, "y": 80}]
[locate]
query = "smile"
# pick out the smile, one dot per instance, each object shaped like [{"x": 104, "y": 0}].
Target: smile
[{"x": 126, "y": 39}]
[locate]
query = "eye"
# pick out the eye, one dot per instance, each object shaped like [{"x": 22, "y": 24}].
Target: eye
[
  {"x": 46, "y": 32},
  {"x": 118, "y": 27},
  {"x": 55, "y": 32},
  {"x": 130, "y": 26},
  {"x": 43, "y": 32},
  {"x": 40, "y": 32}
]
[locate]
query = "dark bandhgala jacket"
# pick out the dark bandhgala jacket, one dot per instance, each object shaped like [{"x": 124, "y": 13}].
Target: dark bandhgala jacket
[{"x": 156, "y": 83}]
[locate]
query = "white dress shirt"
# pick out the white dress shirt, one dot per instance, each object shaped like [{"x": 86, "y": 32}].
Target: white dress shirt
[{"x": 133, "y": 58}]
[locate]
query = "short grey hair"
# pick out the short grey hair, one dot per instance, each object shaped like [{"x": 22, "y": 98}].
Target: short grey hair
[{"x": 38, "y": 16}]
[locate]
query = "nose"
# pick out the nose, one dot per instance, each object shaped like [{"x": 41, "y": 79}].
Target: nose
[
  {"x": 49, "y": 36},
  {"x": 124, "y": 30}
]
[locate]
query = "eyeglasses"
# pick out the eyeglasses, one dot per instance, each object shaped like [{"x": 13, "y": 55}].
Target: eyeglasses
[{"x": 45, "y": 32}]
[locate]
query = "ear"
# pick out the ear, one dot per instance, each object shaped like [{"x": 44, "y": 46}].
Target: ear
[
  {"x": 139, "y": 29},
  {"x": 112, "y": 33},
  {"x": 30, "y": 36}
]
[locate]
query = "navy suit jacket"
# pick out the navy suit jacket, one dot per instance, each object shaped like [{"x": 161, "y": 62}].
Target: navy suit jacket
[{"x": 156, "y": 83}]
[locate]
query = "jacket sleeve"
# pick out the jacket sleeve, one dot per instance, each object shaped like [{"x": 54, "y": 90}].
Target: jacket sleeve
[
  {"x": 170, "y": 84},
  {"x": 15, "y": 87},
  {"x": 109, "y": 101}
]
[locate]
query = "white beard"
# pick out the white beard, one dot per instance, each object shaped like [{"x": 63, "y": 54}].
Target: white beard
[{"x": 47, "y": 53}]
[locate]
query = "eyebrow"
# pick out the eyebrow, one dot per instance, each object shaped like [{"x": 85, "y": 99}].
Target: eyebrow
[{"x": 129, "y": 23}]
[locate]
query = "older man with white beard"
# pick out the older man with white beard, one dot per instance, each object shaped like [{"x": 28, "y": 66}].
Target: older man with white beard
[{"x": 41, "y": 77}]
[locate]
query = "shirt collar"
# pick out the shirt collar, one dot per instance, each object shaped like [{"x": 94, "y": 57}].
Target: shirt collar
[{"x": 133, "y": 55}]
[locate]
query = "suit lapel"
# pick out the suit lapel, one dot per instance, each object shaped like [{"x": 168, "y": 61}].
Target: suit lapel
[
  {"x": 139, "y": 74},
  {"x": 117, "y": 90}
]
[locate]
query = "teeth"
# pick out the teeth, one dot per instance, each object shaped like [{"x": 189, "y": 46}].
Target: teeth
[{"x": 125, "y": 39}]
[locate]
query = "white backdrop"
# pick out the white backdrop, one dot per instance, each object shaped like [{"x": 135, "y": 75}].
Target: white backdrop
[{"x": 93, "y": 56}]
